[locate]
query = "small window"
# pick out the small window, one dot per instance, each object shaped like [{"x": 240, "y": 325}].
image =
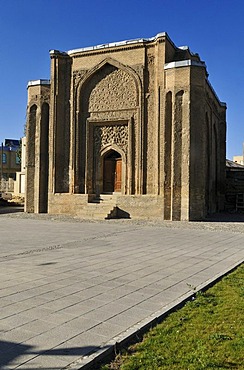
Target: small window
[
  {"x": 17, "y": 159},
  {"x": 4, "y": 159}
]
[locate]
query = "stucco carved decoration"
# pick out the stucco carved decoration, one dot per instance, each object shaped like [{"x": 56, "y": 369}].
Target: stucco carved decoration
[
  {"x": 105, "y": 135},
  {"x": 111, "y": 89},
  {"x": 110, "y": 77},
  {"x": 150, "y": 60},
  {"x": 78, "y": 75}
]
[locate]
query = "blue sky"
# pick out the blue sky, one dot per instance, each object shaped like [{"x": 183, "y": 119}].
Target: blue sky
[{"x": 30, "y": 28}]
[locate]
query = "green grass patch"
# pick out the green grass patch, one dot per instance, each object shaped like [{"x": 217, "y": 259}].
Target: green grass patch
[{"x": 207, "y": 333}]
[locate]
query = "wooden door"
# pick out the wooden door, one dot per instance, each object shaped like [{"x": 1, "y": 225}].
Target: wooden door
[
  {"x": 108, "y": 175},
  {"x": 118, "y": 174}
]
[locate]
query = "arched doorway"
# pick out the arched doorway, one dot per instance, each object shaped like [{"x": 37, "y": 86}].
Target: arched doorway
[{"x": 112, "y": 172}]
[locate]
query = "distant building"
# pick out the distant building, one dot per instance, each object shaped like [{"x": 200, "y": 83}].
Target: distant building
[
  {"x": 238, "y": 159},
  {"x": 19, "y": 185},
  {"x": 136, "y": 123},
  {"x": 10, "y": 160}
]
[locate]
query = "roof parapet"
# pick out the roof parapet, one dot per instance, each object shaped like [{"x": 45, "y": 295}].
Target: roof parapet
[
  {"x": 184, "y": 63},
  {"x": 108, "y": 45},
  {"x": 186, "y": 48},
  {"x": 55, "y": 52},
  {"x": 38, "y": 82},
  {"x": 216, "y": 96}
]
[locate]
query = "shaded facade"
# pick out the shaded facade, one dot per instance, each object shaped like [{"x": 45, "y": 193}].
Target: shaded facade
[
  {"x": 234, "y": 187},
  {"x": 136, "y": 120}
]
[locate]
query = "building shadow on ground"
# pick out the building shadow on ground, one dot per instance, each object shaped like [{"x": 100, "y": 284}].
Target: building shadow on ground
[
  {"x": 11, "y": 351},
  {"x": 6, "y": 209},
  {"x": 225, "y": 217}
]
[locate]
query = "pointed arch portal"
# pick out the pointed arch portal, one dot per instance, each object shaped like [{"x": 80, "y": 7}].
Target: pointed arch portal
[{"x": 108, "y": 111}]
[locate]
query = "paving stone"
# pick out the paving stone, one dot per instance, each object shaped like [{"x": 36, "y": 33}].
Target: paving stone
[{"x": 70, "y": 288}]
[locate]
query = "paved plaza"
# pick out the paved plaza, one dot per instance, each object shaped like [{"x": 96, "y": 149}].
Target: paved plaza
[{"x": 69, "y": 290}]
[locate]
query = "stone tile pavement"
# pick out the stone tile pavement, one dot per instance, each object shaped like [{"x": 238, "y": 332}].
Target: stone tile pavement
[{"x": 69, "y": 290}]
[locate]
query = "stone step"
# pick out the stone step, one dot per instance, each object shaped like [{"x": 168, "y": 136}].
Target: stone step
[
  {"x": 105, "y": 198},
  {"x": 98, "y": 211}
]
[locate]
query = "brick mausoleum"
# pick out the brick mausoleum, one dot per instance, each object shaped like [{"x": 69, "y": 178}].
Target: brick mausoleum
[{"x": 130, "y": 128}]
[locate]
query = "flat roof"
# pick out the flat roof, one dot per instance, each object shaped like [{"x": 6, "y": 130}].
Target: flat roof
[{"x": 112, "y": 44}]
